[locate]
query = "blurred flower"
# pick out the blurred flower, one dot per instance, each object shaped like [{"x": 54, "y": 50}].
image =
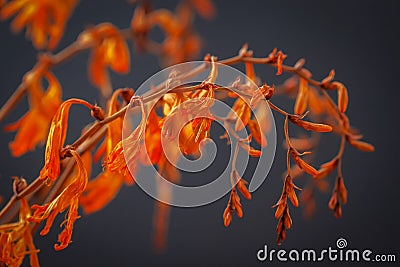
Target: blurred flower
[
  {"x": 33, "y": 126},
  {"x": 109, "y": 50},
  {"x": 44, "y": 20}
]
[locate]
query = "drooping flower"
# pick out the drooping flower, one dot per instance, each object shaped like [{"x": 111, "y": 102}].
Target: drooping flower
[
  {"x": 16, "y": 238},
  {"x": 44, "y": 20},
  {"x": 109, "y": 50},
  {"x": 33, "y": 127},
  {"x": 56, "y": 138},
  {"x": 101, "y": 190},
  {"x": 68, "y": 198},
  {"x": 126, "y": 151}
]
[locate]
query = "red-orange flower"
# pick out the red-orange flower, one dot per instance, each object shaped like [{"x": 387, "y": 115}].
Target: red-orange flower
[
  {"x": 109, "y": 50},
  {"x": 68, "y": 198},
  {"x": 33, "y": 126},
  {"x": 44, "y": 20}
]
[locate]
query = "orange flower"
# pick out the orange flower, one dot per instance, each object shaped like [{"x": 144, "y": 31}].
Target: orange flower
[
  {"x": 68, "y": 198},
  {"x": 180, "y": 43},
  {"x": 101, "y": 190},
  {"x": 56, "y": 138},
  {"x": 44, "y": 20},
  {"x": 129, "y": 147},
  {"x": 110, "y": 50},
  {"x": 16, "y": 238},
  {"x": 33, "y": 126}
]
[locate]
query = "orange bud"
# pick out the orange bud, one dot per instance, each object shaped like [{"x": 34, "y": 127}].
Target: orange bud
[
  {"x": 280, "y": 206},
  {"x": 241, "y": 186},
  {"x": 302, "y": 97},
  {"x": 235, "y": 202},
  {"x": 333, "y": 202},
  {"x": 342, "y": 191},
  {"x": 303, "y": 165},
  {"x": 338, "y": 211},
  {"x": 310, "y": 126},
  {"x": 343, "y": 97},
  {"x": 287, "y": 220},
  {"x": 227, "y": 216},
  {"x": 293, "y": 198},
  {"x": 363, "y": 146}
]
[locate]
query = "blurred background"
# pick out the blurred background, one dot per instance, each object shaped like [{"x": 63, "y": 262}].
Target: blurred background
[{"x": 357, "y": 39}]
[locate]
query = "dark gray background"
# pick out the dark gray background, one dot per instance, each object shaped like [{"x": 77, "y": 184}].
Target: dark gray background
[{"x": 357, "y": 38}]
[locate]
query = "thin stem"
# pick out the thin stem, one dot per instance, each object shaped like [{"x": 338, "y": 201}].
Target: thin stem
[
  {"x": 284, "y": 113},
  {"x": 340, "y": 155}
]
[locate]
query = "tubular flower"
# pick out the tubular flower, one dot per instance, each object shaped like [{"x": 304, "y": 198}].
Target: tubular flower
[
  {"x": 68, "y": 198},
  {"x": 127, "y": 150},
  {"x": 56, "y": 139},
  {"x": 33, "y": 126},
  {"x": 44, "y": 20},
  {"x": 101, "y": 190},
  {"x": 16, "y": 240},
  {"x": 110, "y": 50}
]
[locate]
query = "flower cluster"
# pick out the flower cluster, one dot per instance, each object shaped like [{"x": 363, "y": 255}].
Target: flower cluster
[{"x": 65, "y": 179}]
